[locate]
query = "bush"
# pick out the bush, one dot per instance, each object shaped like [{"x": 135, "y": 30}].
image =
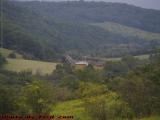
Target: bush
[
  {"x": 36, "y": 98},
  {"x": 141, "y": 94},
  {"x": 91, "y": 89},
  {"x": 69, "y": 81},
  {"x": 2, "y": 60},
  {"x": 12, "y": 55},
  {"x": 115, "y": 68},
  {"x": 107, "y": 107},
  {"x": 8, "y": 96},
  {"x": 63, "y": 93}
]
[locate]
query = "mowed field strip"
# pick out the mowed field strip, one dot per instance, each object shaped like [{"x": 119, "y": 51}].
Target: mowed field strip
[
  {"x": 18, "y": 65},
  {"x": 6, "y": 52},
  {"x": 127, "y": 31}
]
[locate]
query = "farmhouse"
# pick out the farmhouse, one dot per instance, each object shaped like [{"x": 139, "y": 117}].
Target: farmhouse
[
  {"x": 97, "y": 63},
  {"x": 81, "y": 64}
]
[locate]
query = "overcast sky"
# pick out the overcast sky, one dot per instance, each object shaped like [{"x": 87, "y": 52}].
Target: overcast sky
[{"x": 154, "y": 4}]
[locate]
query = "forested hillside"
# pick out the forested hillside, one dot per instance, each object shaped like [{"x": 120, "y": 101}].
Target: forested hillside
[
  {"x": 88, "y": 12},
  {"x": 34, "y": 29}
]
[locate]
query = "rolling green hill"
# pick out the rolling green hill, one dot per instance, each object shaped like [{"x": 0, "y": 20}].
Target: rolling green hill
[
  {"x": 97, "y": 12},
  {"x": 128, "y": 31},
  {"x": 32, "y": 29}
]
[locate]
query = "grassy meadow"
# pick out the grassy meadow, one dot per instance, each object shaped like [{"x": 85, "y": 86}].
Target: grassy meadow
[
  {"x": 6, "y": 52},
  {"x": 18, "y": 65},
  {"x": 127, "y": 31},
  {"x": 71, "y": 108},
  {"x": 141, "y": 57},
  {"x": 75, "y": 108}
]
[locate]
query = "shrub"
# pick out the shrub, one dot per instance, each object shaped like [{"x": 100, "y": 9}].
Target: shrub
[
  {"x": 107, "y": 107},
  {"x": 12, "y": 55},
  {"x": 91, "y": 89},
  {"x": 36, "y": 98},
  {"x": 2, "y": 60}
]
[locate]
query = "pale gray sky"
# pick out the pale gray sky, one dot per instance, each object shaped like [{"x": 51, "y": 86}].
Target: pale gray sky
[{"x": 154, "y": 4}]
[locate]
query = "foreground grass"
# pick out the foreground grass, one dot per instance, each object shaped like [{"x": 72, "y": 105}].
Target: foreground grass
[
  {"x": 75, "y": 108},
  {"x": 17, "y": 65}
]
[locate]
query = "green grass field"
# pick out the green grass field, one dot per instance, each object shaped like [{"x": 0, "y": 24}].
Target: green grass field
[
  {"x": 113, "y": 59},
  {"x": 18, "y": 65},
  {"x": 6, "y": 52},
  {"x": 127, "y": 31},
  {"x": 75, "y": 108},
  {"x": 141, "y": 57}
]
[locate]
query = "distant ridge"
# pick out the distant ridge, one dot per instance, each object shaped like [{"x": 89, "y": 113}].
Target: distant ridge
[{"x": 129, "y": 15}]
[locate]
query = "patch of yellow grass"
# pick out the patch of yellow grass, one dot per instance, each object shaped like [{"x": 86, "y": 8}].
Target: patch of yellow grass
[
  {"x": 18, "y": 65},
  {"x": 6, "y": 52}
]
